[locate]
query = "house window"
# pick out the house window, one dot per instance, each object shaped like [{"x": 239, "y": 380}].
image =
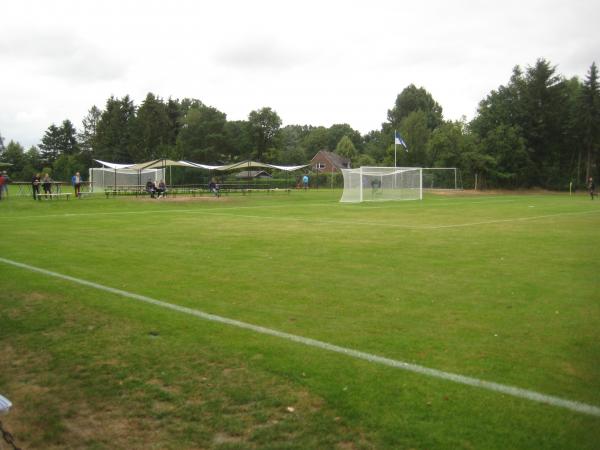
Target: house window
[{"x": 320, "y": 166}]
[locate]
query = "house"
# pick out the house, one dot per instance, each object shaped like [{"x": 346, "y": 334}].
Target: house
[
  {"x": 328, "y": 162},
  {"x": 253, "y": 174}
]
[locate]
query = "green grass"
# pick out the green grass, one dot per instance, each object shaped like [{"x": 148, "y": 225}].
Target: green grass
[{"x": 503, "y": 288}]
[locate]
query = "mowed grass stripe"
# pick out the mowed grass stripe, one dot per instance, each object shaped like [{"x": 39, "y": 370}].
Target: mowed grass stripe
[
  {"x": 469, "y": 381},
  {"x": 349, "y": 222}
]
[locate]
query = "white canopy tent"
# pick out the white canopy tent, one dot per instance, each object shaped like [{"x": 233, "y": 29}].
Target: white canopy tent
[{"x": 151, "y": 167}]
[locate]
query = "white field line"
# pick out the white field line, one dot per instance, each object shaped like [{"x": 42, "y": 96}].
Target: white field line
[
  {"x": 456, "y": 378},
  {"x": 387, "y": 205},
  {"x": 351, "y": 222},
  {"x": 517, "y": 219},
  {"x": 222, "y": 212},
  {"x": 150, "y": 211}
]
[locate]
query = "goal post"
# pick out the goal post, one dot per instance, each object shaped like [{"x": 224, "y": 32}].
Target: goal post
[
  {"x": 442, "y": 178},
  {"x": 382, "y": 183},
  {"x": 100, "y": 178}
]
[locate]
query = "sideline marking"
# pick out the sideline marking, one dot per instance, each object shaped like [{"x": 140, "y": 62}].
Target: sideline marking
[
  {"x": 222, "y": 212},
  {"x": 579, "y": 407},
  {"x": 351, "y": 222},
  {"x": 516, "y": 219},
  {"x": 152, "y": 211}
]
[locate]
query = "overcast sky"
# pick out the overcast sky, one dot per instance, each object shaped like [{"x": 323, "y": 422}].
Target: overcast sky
[{"x": 314, "y": 62}]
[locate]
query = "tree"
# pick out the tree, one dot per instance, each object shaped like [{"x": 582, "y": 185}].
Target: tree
[
  {"x": 534, "y": 109},
  {"x": 14, "y": 154},
  {"x": 544, "y": 122},
  {"x": 66, "y": 165},
  {"x": 87, "y": 137},
  {"x": 238, "y": 144},
  {"x": 337, "y": 131},
  {"x": 346, "y": 149},
  {"x": 416, "y": 134},
  {"x": 590, "y": 120},
  {"x": 114, "y": 131},
  {"x": 410, "y": 100},
  {"x": 376, "y": 144},
  {"x": 317, "y": 139},
  {"x": 68, "y": 139},
  {"x": 446, "y": 145},
  {"x": 51, "y": 144},
  {"x": 33, "y": 163},
  {"x": 202, "y": 136},
  {"x": 512, "y": 160},
  {"x": 1, "y": 144},
  {"x": 151, "y": 130},
  {"x": 264, "y": 127}
]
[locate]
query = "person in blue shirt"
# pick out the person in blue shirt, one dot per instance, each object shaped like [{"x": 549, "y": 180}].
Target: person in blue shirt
[{"x": 305, "y": 181}]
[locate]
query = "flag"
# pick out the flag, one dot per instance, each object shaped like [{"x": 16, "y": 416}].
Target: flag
[{"x": 398, "y": 140}]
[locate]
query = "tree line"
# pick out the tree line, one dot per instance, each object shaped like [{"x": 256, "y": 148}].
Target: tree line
[{"x": 540, "y": 129}]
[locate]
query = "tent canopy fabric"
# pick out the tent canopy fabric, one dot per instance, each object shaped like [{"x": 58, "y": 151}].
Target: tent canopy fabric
[
  {"x": 113, "y": 165},
  {"x": 246, "y": 165},
  {"x": 160, "y": 163}
]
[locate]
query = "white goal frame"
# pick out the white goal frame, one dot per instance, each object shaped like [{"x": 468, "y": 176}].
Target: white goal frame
[
  {"x": 382, "y": 184},
  {"x": 101, "y": 177}
]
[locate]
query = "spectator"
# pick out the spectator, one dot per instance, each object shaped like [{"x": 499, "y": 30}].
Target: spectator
[
  {"x": 35, "y": 186},
  {"x": 5, "y": 185},
  {"x": 47, "y": 185},
  {"x": 76, "y": 182},
  {"x": 161, "y": 190},
  {"x": 214, "y": 187},
  {"x": 2, "y": 181},
  {"x": 150, "y": 188},
  {"x": 305, "y": 181}
]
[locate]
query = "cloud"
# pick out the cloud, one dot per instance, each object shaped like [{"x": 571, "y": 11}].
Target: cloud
[
  {"x": 61, "y": 55},
  {"x": 259, "y": 53}
]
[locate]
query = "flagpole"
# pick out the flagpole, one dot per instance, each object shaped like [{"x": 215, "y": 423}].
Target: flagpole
[{"x": 395, "y": 165}]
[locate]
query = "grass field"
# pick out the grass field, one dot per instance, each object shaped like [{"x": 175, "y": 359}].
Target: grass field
[{"x": 499, "y": 288}]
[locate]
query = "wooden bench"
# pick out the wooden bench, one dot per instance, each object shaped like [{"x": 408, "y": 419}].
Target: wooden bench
[{"x": 55, "y": 195}]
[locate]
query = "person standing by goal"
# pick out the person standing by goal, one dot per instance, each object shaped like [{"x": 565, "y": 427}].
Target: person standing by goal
[
  {"x": 591, "y": 187},
  {"x": 76, "y": 182}
]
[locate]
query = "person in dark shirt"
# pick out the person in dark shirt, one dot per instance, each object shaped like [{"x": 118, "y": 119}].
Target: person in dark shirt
[
  {"x": 592, "y": 187},
  {"x": 35, "y": 186},
  {"x": 150, "y": 188}
]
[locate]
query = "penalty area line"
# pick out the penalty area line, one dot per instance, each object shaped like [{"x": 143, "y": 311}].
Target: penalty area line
[{"x": 415, "y": 368}]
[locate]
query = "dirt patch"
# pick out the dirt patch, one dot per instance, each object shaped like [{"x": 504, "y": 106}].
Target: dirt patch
[
  {"x": 222, "y": 438},
  {"x": 34, "y": 296}
]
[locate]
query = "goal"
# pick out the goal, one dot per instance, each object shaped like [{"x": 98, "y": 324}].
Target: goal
[
  {"x": 100, "y": 178},
  {"x": 382, "y": 183},
  {"x": 442, "y": 178}
]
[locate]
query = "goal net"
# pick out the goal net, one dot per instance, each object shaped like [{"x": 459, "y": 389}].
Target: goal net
[
  {"x": 100, "y": 178},
  {"x": 441, "y": 178},
  {"x": 382, "y": 183}
]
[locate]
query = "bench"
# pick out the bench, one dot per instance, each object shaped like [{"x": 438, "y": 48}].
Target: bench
[{"x": 55, "y": 195}]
